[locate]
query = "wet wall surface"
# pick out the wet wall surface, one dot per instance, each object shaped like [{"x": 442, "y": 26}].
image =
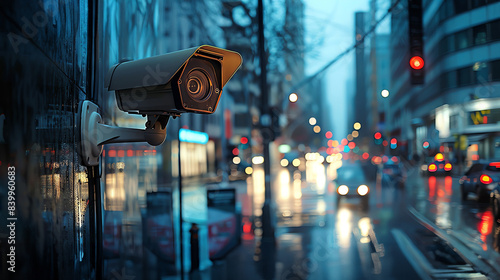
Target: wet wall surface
[{"x": 43, "y": 74}]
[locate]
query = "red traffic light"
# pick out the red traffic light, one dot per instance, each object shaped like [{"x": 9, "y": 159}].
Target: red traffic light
[
  {"x": 425, "y": 145},
  {"x": 417, "y": 62},
  {"x": 377, "y": 135},
  {"x": 244, "y": 140}
]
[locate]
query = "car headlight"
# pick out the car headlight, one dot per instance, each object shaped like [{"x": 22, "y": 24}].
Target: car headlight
[
  {"x": 343, "y": 190},
  {"x": 363, "y": 190}
]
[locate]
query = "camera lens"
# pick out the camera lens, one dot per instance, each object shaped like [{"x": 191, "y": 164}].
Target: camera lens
[{"x": 198, "y": 85}]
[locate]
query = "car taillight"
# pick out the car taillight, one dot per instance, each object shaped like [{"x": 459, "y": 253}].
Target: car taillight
[
  {"x": 448, "y": 167},
  {"x": 485, "y": 179},
  {"x": 495, "y": 164},
  {"x": 432, "y": 168}
]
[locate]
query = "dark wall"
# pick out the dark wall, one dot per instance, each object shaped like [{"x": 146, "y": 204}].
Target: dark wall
[{"x": 43, "y": 73}]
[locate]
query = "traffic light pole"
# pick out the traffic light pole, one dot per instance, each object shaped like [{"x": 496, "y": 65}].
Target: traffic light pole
[{"x": 267, "y": 224}]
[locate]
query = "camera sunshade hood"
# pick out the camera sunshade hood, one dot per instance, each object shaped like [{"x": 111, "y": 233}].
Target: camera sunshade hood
[{"x": 159, "y": 70}]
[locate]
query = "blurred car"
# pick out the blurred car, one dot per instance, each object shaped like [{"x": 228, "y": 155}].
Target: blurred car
[
  {"x": 392, "y": 172},
  {"x": 481, "y": 178},
  {"x": 351, "y": 182},
  {"x": 439, "y": 166}
]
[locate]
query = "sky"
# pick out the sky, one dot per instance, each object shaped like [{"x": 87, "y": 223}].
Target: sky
[{"x": 329, "y": 27}]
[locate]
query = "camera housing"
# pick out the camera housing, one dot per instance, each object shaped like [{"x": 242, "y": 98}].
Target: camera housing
[{"x": 189, "y": 80}]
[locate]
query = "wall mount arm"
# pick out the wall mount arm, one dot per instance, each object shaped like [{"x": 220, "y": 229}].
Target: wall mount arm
[{"x": 94, "y": 134}]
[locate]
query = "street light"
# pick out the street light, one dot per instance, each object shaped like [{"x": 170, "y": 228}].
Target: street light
[
  {"x": 384, "y": 93},
  {"x": 293, "y": 97},
  {"x": 357, "y": 126},
  {"x": 312, "y": 120}
]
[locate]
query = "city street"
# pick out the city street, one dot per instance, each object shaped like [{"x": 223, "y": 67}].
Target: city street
[
  {"x": 250, "y": 139},
  {"x": 409, "y": 233}
]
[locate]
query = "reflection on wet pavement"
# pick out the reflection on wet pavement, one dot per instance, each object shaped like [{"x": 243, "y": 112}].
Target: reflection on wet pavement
[
  {"x": 317, "y": 239},
  {"x": 470, "y": 222}
]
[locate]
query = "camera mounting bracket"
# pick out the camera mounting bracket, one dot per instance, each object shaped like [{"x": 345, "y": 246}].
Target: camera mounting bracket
[{"x": 94, "y": 134}]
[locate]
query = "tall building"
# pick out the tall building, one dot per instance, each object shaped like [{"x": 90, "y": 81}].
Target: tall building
[
  {"x": 456, "y": 110},
  {"x": 372, "y": 68},
  {"x": 360, "y": 104},
  {"x": 377, "y": 80}
]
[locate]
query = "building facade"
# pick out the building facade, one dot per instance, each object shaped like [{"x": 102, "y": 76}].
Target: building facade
[
  {"x": 90, "y": 222},
  {"x": 461, "y": 53}
]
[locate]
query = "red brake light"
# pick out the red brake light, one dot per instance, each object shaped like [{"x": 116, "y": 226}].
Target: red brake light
[
  {"x": 432, "y": 168},
  {"x": 485, "y": 179},
  {"x": 439, "y": 157},
  {"x": 495, "y": 164},
  {"x": 448, "y": 167}
]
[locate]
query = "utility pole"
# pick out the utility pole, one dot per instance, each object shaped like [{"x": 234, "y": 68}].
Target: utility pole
[{"x": 265, "y": 128}]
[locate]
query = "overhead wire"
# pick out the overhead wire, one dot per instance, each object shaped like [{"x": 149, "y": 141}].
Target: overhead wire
[{"x": 310, "y": 78}]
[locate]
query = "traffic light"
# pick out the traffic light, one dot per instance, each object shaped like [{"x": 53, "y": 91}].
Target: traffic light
[
  {"x": 377, "y": 138},
  {"x": 425, "y": 145},
  {"x": 244, "y": 143},
  {"x": 416, "y": 42},
  {"x": 394, "y": 143}
]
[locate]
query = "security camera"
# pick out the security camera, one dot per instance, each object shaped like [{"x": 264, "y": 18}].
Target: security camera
[
  {"x": 159, "y": 87},
  {"x": 189, "y": 80}
]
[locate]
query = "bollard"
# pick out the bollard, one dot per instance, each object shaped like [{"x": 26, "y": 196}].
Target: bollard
[{"x": 195, "y": 247}]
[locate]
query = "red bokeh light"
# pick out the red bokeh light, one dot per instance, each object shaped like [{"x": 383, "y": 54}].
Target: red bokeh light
[
  {"x": 244, "y": 140},
  {"x": 448, "y": 167},
  {"x": 417, "y": 62},
  {"x": 432, "y": 168},
  {"x": 377, "y": 135},
  {"x": 328, "y": 134},
  {"x": 485, "y": 179}
]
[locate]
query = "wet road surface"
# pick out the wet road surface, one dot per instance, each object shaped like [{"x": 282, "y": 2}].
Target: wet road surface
[{"x": 420, "y": 231}]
